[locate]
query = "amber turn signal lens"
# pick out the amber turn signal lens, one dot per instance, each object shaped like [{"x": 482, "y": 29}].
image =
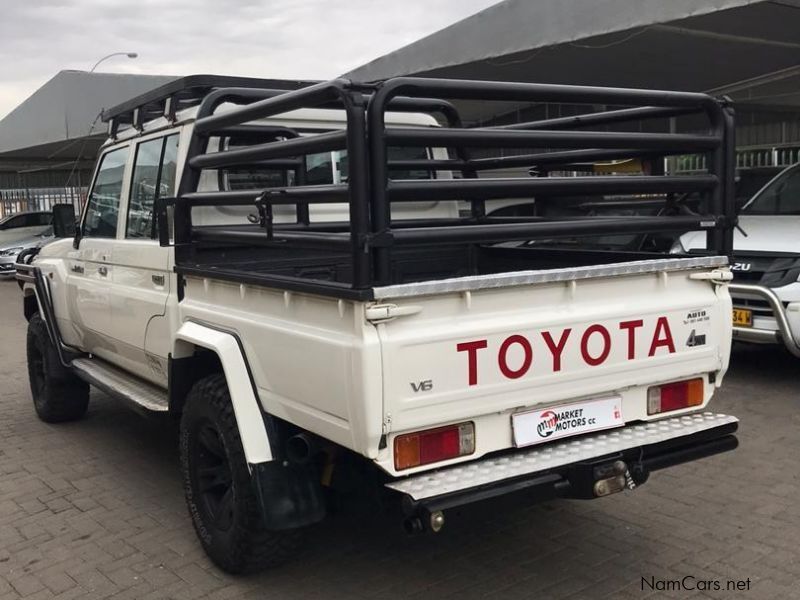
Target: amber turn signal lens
[
  {"x": 433, "y": 445},
  {"x": 675, "y": 396}
]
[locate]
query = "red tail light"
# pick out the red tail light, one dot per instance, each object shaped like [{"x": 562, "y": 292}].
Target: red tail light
[
  {"x": 674, "y": 396},
  {"x": 433, "y": 445}
]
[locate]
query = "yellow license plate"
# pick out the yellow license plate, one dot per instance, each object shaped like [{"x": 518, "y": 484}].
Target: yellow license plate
[{"x": 742, "y": 317}]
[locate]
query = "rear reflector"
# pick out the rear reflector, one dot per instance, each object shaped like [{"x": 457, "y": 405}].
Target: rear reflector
[
  {"x": 674, "y": 396},
  {"x": 433, "y": 445}
]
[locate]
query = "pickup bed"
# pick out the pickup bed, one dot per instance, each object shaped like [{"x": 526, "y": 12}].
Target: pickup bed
[{"x": 292, "y": 278}]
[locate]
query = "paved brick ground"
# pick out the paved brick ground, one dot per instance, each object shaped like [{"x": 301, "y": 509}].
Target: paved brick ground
[{"x": 94, "y": 509}]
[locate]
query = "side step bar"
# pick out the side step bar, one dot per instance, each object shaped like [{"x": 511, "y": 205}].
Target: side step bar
[{"x": 141, "y": 395}]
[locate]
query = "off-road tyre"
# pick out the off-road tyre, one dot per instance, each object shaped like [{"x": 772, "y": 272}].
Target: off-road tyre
[
  {"x": 58, "y": 394},
  {"x": 219, "y": 493}
]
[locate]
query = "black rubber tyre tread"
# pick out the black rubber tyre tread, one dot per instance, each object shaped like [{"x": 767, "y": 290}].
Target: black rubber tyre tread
[
  {"x": 58, "y": 394},
  {"x": 247, "y": 547}
]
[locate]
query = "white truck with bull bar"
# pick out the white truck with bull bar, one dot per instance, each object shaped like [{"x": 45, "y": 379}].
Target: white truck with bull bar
[
  {"x": 282, "y": 266},
  {"x": 766, "y": 264}
]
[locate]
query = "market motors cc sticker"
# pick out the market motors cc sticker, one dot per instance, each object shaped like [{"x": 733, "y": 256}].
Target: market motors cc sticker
[{"x": 548, "y": 424}]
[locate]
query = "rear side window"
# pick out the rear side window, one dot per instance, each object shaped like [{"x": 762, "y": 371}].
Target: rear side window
[
  {"x": 153, "y": 177},
  {"x": 102, "y": 208}
]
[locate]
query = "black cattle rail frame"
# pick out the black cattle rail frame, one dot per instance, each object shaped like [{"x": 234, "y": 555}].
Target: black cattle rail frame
[{"x": 371, "y": 236}]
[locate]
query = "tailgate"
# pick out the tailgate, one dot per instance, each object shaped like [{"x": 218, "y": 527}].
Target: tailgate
[{"x": 500, "y": 344}]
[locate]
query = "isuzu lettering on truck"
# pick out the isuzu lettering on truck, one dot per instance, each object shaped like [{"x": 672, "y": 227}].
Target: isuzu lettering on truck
[{"x": 283, "y": 266}]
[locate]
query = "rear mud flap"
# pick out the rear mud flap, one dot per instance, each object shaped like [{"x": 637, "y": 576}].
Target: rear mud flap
[{"x": 289, "y": 495}]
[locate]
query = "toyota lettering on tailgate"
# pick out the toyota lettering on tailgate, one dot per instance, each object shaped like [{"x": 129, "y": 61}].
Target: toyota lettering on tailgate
[{"x": 594, "y": 342}]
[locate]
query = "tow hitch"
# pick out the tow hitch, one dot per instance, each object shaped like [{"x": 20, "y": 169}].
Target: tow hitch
[{"x": 597, "y": 479}]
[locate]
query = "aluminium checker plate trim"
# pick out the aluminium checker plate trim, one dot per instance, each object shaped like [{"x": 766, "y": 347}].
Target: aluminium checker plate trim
[
  {"x": 554, "y": 455},
  {"x": 516, "y": 278}
]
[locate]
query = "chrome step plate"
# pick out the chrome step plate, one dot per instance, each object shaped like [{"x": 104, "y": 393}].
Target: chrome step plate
[
  {"x": 553, "y": 455},
  {"x": 116, "y": 382}
]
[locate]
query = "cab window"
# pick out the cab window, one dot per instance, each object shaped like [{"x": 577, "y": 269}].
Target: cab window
[
  {"x": 102, "y": 208},
  {"x": 153, "y": 177}
]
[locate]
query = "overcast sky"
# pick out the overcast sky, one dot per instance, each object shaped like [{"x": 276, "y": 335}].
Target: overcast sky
[{"x": 301, "y": 39}]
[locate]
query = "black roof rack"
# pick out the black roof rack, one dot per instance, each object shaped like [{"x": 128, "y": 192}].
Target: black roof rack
[{"x": 182, "y": 93}]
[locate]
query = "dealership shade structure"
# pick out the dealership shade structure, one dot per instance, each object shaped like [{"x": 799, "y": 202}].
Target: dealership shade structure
[
  {"x": 749, "y": 50},
  {"x": 55, "y": 133}
]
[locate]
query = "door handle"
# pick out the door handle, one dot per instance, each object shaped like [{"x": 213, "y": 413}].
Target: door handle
[{"x": 103, "y": 271}]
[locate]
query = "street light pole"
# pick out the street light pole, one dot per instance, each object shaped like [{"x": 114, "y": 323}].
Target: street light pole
[{"x": 128, "y": 54}]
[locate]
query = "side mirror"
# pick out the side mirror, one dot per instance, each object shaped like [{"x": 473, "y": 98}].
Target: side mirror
[{"x": 63, "y": 220}]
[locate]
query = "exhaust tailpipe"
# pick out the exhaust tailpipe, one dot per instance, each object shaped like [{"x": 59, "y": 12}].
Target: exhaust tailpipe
[{"x": 301, "y": 448}]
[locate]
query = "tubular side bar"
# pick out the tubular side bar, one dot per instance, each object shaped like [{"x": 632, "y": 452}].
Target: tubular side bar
[{"x": 784, "y": 333}]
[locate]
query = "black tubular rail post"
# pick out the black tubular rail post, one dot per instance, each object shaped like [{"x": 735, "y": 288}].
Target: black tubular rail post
[
  {"x": 548, "y": 133},
  {"x": 729, "y": 197}
]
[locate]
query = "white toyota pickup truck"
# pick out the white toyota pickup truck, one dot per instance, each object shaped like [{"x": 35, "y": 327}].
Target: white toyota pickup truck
[
  {"x": 766, "y": 264},
  {"x": 282, "y": 267}
]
